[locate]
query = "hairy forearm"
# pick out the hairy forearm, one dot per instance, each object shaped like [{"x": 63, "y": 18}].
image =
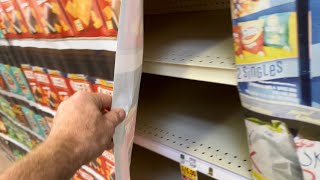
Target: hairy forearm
[{"x": 54, "y": 159}]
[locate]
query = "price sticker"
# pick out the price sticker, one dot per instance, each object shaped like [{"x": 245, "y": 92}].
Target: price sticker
[{"x": 188, "y": 173}]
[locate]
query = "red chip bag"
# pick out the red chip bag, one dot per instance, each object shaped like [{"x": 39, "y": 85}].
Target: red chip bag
[
  {"x": 110, "y": 15},
  {"x": 7, "y": 26},
  {"x": 85, "y": 17},
  {"x": 16, "y": 19},
  {"x": 252, "y": 36},
  {"x": 53, "y": 19},
  {"x": 31, "y": 18},
  {"x": 81, "y": 174}
]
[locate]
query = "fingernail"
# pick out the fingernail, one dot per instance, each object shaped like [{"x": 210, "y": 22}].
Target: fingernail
[{"x": 122, "y": 113}]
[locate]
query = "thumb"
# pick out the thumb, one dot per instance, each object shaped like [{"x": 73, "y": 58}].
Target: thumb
[{"x": 114, "y": 117}]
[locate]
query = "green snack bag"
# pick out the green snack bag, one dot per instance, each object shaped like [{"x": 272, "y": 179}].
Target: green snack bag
[{"x": 276, "y": 30}]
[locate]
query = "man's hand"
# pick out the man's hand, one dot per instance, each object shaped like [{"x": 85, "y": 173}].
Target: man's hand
[
  {"x": 83, "y": 127},
  {"x": 87, "y": 124}
]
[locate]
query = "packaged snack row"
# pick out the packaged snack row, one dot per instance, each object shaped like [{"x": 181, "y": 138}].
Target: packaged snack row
[
  {"x": 59, "y": 18},
  {"x": 49, "y": 76},
  {"x": 277, "y": 50},
  {"x": 11, "y": 150},
  {"x": 25, "y": 115}
]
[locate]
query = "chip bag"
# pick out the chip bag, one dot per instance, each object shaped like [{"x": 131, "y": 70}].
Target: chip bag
[
  {"x": 252, "y": 36},
  {"x": 85, "y": 17},
  {"x": 53, "y": 19},
  {"x": 16, "y": 18},
  {"x": 6, "y": 25},
  {"x": 110, "y": 14},
  {"x": 31, "y": 18},
  {"x": 272, "y": 151},
  {"x": 276, "y": 30}
]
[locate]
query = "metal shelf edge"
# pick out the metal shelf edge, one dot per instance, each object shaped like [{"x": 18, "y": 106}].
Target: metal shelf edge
[
  {"x": 15, "y": 142},
  {"x": 202, "y": 166}
]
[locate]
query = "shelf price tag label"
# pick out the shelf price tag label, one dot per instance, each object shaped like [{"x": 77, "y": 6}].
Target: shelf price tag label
[{"x": 188, "y": 168}]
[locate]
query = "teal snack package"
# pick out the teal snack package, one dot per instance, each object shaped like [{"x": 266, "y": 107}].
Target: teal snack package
[
  {"x": 9, "y": 79},
  {"x": 34, "y": 124},
  {"x": 25, "y": 90},
  {"x": 43, "y": 124},
  {"x": 276, "y": 30}
]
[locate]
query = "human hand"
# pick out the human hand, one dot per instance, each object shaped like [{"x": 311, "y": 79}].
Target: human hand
[{"x": 83, "y": 127}]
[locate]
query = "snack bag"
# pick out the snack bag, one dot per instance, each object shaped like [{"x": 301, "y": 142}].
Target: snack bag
[
  {"x": 105, "y": 165},
  {"x": 9, "y": 78},
  {"x": 57, "y": 73},
  {"x": 52, "y": 18},
  {"x": 272, "y": 151},
  {"x": 103, "y": 86},
  {"x": 16, "y": 18},
  {"x": 18, "y": 74},
  {"x": 82, "y": 174},
  {"x": 33, "y": 122},
  {"x": 50, "y": 97},
  {"x": 19, "y": 114},
  {"x": 6, "y": 108},
  {"x": 79, "y": 82},
  {"x": 238, "y": 47},
  {"x": 31, "y": 18},
  {"x": 7, "y": 27},
  {"x": 110, "y": 10},
  {"x": 309, "y": 153},
  {"x": 252, "y": 36},
  {"x": 85, "y": 17},
  {"x": 276, "y": 30},
  {"x": 43, "y": 124},
  {"x": 33, "y": 83}
]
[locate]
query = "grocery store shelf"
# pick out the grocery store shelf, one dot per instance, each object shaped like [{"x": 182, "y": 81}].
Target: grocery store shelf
[
  {"x": 21, "y": 126},
  {"x": 178, "y": 45},
  {"x": 31, "y": 103},
  {"x": 15, "y": 142},
  {"x": 201, "y": 120},
  {"x": 282, "y": 110},
  {"x": 67, "y": 43}
]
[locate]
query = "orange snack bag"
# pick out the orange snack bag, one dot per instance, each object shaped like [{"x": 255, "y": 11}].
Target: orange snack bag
[
  {"x": 13, "y": 21},
  {"x": 31, "y": 18},
  {"x": 110, "y": 14},
  {"x": 85, "y": 17},
  {"x": 53, "y": 19},
  {"x": 16, "y": 19}
]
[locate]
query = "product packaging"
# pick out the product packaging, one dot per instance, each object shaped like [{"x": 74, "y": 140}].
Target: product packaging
[
  {"x": 110, "y": 10},
  {"x": 315, "y": 51},
  {"x": 105, "y": 165},
  {"x": 79, "y": 66},
  {"x": 85, "y": 17},
  {"x": 9, "y": 78},
  {"x": 33, "y": 121},
  {"x": 272, "y": 151},
  {"x": 56, "y": 69},
  {"x": 31, "y": 18},
  {"x": 14, "y": 56},
  {"x": 53, "y": 19},
  {"x": 102, "y": 78},
  {"x": 26, "y": 66},
  {"x": 50, "y": 97},
  {"x": 3, "y": 85},
  {"x": 16, "y": 18},
  {"x": 6, "y": 108},
  {"x": 82, "y": 174},
  {"x": 270, "y": 66},
  {"x": 16, "y": 108},
  {"x": 7, "y": 27}
]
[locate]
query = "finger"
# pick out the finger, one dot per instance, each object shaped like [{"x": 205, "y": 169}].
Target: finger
[
  {"x": 115, "y": 117},
  {"x": 102, "y": 101}
]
